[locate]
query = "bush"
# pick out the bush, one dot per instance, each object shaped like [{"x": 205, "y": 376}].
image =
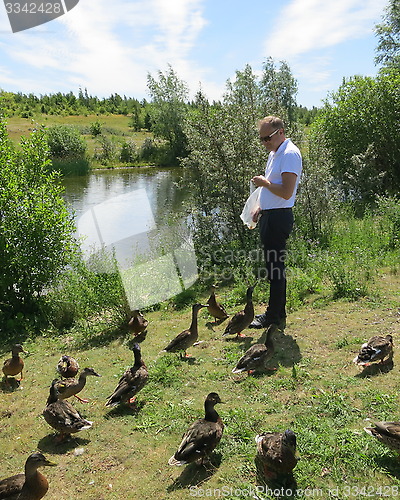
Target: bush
[
  {"x": 107, "y": 152},
  {"x": 36, "y": 229},
  {"x": 128, "y": 152},
  {"x": 65, "y": 142}
]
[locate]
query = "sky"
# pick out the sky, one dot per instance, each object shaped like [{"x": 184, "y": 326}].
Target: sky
[{"x": 110, "y": 46}]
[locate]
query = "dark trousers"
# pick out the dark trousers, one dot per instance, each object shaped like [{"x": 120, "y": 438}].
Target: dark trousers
[{"x": 275, "y": 227}]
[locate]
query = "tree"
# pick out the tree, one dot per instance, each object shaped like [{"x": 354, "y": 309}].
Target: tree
[
  {"x": 36, "y": 229},
  {"x": 388, "y": 33},
  {"x": 224, "y": 154},
  {"x": 169, "y": 106},
  {"x": 361, "y": 126},
  {"x": 279, "y": 89}
]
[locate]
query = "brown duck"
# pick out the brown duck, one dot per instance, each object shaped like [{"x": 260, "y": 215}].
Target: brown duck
[
  {"x": 67, "y": 366},
  {"x": 32, "y": 485},
  {"x": 387, "y": 433},
  {"x": 257, "y": 355},
  {"x": 276, "y": 451},
  {"x": 137, "y": 324},
  {"x": 62, "y": 416},
  {"x": 376, "y": 349},
  {"x": 71, "y": 386},
  {"x": 131, "y": 382},
  {"x": 188, "y": 337},
  {"x": 202, "y": 436},
  {"x": 14, "y": 365},
  {"x": 242, "y": 319},
  {"x": 215, "y": 309}
]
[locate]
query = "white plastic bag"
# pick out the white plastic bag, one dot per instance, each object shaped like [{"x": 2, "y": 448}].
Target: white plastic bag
[{"x": 250, "y": 208}]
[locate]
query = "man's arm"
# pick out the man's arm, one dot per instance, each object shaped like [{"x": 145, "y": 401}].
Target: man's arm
[{"x": 284, "y": 190}]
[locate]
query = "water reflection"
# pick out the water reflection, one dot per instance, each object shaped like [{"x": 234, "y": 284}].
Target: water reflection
[
  {"x": 84, "y": 192},
  {"x": 125, "y": 213}
]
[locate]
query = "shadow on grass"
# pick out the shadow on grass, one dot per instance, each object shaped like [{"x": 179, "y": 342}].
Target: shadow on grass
[
  {"x": 390, "y": 464},
  {"x": 50, "y": 445},
  {"x": 104, "y": 338},
  {"x": 376, "y": 369},
  {"x": 123, "y": 410},
  {"x": 210, "y": 324},
  {"x": 287, "y": 351},
  {"x": 11, "y": 385},
  {"x": 195, "y": 474}
]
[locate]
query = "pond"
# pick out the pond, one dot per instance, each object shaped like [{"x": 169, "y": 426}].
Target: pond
[{"x": 125, "y": 214}]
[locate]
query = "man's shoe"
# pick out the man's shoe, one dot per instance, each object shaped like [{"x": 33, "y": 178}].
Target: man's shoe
[{"x": 262, "y": 321}]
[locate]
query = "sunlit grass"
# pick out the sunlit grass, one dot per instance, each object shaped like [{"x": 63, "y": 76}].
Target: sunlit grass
[{"x": 317, "y": 391}]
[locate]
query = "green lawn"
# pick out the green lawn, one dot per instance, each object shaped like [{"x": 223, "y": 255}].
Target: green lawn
[{"x": 316, "y": 390}]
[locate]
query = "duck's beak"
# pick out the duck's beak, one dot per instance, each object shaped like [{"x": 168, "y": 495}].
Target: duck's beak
[{"x": 50, "y": 464}]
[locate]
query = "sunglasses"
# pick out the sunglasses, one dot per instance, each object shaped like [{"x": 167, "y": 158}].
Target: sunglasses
[{"x": 268, "y": 137}]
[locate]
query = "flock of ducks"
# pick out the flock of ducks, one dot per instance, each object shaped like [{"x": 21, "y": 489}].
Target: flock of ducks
[{"x": 276, "y": 451}]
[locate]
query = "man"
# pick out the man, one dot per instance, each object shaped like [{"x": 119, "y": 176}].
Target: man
[{"x": 278, "y": 193}]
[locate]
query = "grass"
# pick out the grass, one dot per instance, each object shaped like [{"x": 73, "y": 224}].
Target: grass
[
  {"x": 316, "y": 391},
  {"x": 114, "y": 127}
]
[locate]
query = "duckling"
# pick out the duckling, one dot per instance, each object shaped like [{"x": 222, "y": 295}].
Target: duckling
[
  {"x": 242, "y": 319},
  {"x": 29, "y": 486},
  {"x": 71, "y": 386},
  {"x": 187, "y": 338},
  {"x": 62, "y": 416},
  {"x": 277, "y": 452},
  {"x": 387, "y": 433},
  {"x": 257, "y": 355},
  {"x": 202, "y": 436},
  {"x": 137, "y": 324},
  {"x": 215, "y": 309},
  {"x": 14, "y": 365},
  {"x": 131, "y": 382},
  {"x": 376, "y": 349},
  {"x": 67, "y": 366}
]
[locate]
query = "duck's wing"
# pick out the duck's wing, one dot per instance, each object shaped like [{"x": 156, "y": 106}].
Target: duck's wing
[
  {"x": 235, "y": 325},
  {"x": 179, "y": 341},
  {"x": 252, "y": 358},
  {"x": 201, "y": 438},
  {"x": 11, "y": 485},
  {"x": 131, "y": 382}
]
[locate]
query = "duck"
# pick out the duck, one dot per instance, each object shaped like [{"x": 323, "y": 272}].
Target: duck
[
  {"x": 215, "y": 309},
  {"x": 242, "y": 319},
  {"x": 14, "y": 365},
  {"x": 376, "y": 349},
  {"x": 137, "y": 324},
  {"x": 257, "y": 355},
  {"x": 188, "y": 337},
  {"x": 387, "y": 433},
  {"x": 62, "y": 416},
  {"x": 32, "y": 485},
  {"x": 276, "y": 451},
  {"x": 131, "y": 382},
  {"x": 67, "y": 366},
  {"x": 71, "y": 386},
  {"x": 202, "y": 437}
]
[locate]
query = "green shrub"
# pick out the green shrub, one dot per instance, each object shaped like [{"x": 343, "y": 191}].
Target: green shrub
[
  {"x": 107, "y": 151},
  {"x": 36, "y": 229},
  {"x": 65, "y": 142},
  {"x": 128, "y": 152}
]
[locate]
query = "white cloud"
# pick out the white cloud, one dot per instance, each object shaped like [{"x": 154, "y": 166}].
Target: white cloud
[
  {"x": 307, "y": 25},
  {"x": 111, "y": 46}
]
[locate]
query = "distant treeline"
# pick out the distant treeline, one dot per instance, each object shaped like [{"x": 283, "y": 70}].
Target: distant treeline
[{"x": 27, "y": 105}]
